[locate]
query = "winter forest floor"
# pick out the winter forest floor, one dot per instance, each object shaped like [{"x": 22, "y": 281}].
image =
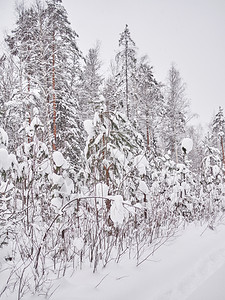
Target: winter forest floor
[{"x": 190, "y": 266}]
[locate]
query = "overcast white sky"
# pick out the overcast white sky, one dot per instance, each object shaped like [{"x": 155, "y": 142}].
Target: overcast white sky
[{"x": 190, "y": 33}]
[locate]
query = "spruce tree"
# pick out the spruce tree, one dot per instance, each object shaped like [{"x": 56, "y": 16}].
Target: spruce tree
[
  {"x": 64, "y": 59},
  {"x": 111, "y": 154},
  {"x": 218, "y": 131},
  {"x": 150, "y": 106},
  {"x": 126, "y": 66},
  {"x": 91, "y": 81},
  {"x": 175, "y": 113},
  {"x": 211, "y": 182},
  {"x": 10, "y": 109},
  {"x": 44, "y": 45}
]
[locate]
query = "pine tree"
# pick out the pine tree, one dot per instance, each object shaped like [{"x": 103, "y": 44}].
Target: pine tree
[
  {"x": 211, "y": 190},
  {"x": 90, "y": 84},
  {"x": 2, "y": 89},
  {"x": 8, "y": 91},
  {"x": 218, "y": 131},
  {"x": 150, "y": 105},
  {"x": 176, "y": 112},
  {"x": 65, "y": 71},
  {"x": 45, "y": 45},
  {"x": 111, "y": 91},
  {"x": 21, "y": 44},
  {"x": 113, "y": 143},
  {"x": 126, "y": 66},
  {"x": 197, "y": 154}
]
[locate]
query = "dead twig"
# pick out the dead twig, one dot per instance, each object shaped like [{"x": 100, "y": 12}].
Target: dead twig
[{"x": 101, "y": 280}]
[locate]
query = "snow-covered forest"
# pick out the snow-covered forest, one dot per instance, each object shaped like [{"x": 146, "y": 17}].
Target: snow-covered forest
[{"x": 93, "y": 168}]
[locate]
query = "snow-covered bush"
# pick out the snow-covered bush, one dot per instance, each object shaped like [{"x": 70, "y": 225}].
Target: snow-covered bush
[
  {"x": 35, "y": 187},
  {"x": 211, "y": 187}
]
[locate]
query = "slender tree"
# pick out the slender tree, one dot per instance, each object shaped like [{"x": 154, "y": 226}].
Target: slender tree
[
  {"x": 218, "y": 131},
  {"x": 126, "y": 61},
  {"x": 112, "y": 145},
  {"x": 22, "y": 44},
  {"x": 176, "y": 112},
  {"x": 91, "y": 82},
  {"x": 150, "y": 105}
]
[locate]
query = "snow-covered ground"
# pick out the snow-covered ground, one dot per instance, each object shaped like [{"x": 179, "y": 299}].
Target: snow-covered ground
[{"x": 191, "y": 267}]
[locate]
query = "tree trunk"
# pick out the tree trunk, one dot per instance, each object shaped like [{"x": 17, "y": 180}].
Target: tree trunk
[
  {"x": 148, "y": 138},
  {"x": 28, "y": 90},
  {"x": 29, "y": 109},
  {"x": 53, "y": 95},
  {"x": 176, "y": 152},
  {"x": 126, "y": 78},
  {"x": 221, "y": 140}
]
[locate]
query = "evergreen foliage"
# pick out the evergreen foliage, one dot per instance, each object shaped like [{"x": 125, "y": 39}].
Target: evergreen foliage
[
  {"x": 91, "y": 82},
  {"x": 149, "y": 105},
  {"x": 126, "y": 67},
  {"x": 176, "y": 111},
  {"x": 44, "y": 46},
  {"x": 112, "y": 145}
]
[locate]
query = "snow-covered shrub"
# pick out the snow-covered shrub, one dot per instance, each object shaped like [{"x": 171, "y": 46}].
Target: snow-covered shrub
[
  {"x": 8, "y": 205},
  {"x": 39, "y": 185},
  {"x": 110, "y": 154},
  {"x": 172, "y": 187},
  {"x": 211, "y": 187}
]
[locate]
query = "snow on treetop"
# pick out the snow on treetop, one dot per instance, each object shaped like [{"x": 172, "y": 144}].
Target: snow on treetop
[{"x": 187, "y": 144}]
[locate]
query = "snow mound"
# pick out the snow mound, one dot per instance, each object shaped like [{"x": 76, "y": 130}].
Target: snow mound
[
  {"x": 89, "y": 128},
  {"x": 187, "y": 144},
  {"x": 67, "y": 187},
  {"x": 5, "y": 161},
  {"x": 56, "y": 202},
  {"x": 78, "y": 243},
  {"x": 3, "y": 138},
  {"x": 58, "y": 159},
  {"x": 117, "y": 211},
  {"x": 141, "y": 164},
  {"x": 57, "y": 179}
]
